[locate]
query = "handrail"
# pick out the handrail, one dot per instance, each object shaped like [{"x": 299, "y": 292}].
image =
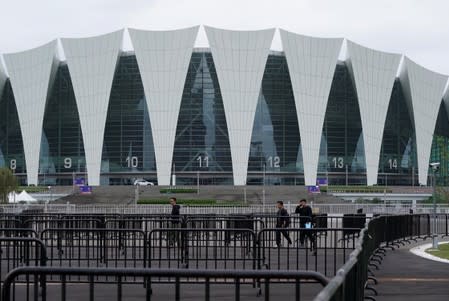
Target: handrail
[
  {"x": 147, "y": 273},
  {"x": 366, "y": 245}
]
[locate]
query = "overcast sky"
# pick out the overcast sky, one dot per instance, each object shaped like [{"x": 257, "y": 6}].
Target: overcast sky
[{"x": 417, "y": 28}]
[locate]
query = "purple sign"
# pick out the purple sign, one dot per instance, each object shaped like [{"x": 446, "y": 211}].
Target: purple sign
[
  {"x": 80, "y": 181},
  {"x": 85, "y": 189},
  {"x": 321, "y": 181},
  {"x": 313, "y": 189}
]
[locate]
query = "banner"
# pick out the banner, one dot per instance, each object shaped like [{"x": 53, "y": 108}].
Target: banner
[
  {"x": 85, "y": 189},
  {"x": 313, "y": 189},
  {"x": 321, "y": 181},
  {"x": 80, "y": 182}
]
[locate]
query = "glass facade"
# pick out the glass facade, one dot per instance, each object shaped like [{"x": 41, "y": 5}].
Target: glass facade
[
  {"x": 342, "y": 155},
  {"x": 62, "y": 150},
  {"x": 11, "y": 147},
  {"x": 440, "y": 147},
  {"x": 201, "y": 149},
  {"x": 128, "y": 151},
  {"x": 275, "y": 142},
  {"x": 202, "y": 143},
  {"x": 398, "y": 161}
]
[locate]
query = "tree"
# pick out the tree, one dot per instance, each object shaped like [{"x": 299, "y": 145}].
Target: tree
[{"x": 8, "y": 183}]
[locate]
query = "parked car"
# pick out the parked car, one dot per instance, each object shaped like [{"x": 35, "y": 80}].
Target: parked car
[{"x": 142, "y": 182}]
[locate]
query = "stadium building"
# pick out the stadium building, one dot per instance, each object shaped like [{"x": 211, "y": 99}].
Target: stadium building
[{"x": 234, "y": 113}]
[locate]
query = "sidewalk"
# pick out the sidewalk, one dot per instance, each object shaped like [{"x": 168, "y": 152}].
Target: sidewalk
[{"x": 405, "y": 276}]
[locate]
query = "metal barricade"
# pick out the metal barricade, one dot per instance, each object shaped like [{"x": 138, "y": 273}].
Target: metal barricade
[
  {"x": 274, "y": 284},
  {"x": 18, "y": 232},
  {"x": 321, "y": 250},
  {"x": 6, "y": 223},
  {"x": 95, "y": 248},
  {"x": 202, "y": 248},
  {"x": 145, "y": 224},
  {"x": 20, "y": 251},
  {"x": 225, "y": 222}
]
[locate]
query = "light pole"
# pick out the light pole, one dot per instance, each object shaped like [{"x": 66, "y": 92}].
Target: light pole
[
  {"x": 136, "y": 194},
  {"x": 346, "y": 174},
  {"x": 198, "y": 181},
  {"x": 263, "y": 188},
  {"x": 49, "y": 190},
  {"x": 435, "y": 167}
]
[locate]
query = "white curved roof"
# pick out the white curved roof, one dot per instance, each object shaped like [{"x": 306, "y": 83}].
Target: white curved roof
[
  {"x": 163, "y": 58},
  {"x": 31, "y": 73},
  {"x": 92, "y": 62},
  {"x": 373, "y": 73},
  {"x": 240, "y": 58},
  {"x": 423, "y": 90},
  {"x": 3, "y": 78},
  {"x": 311, "y": 64}
]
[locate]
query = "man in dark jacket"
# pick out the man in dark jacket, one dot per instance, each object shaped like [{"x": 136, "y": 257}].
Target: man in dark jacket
[
  {"x": 282, "y": 222},
  {"x": 175, "y": 221},
  {"x": 175, "y": 209},
  {"x": 305, "y": 218}
]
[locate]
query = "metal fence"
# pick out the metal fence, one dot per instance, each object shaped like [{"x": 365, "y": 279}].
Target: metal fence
[
  {"x": 351, "y": 280},
  {"x": 232, "y": 285},
  {"x": 339, "y": 208},
  {"x": 208, "y": 242},
  {"x": 95, "y": 248},
  {"x": 20, "y": 251}
]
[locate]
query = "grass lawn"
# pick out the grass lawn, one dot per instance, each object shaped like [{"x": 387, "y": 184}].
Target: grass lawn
[{"x": 442, "y": 252}]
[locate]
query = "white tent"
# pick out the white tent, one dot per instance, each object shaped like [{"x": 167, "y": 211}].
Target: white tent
[
  {"x": 25, "y": 197},
  {"x": 12, "y": 197}
]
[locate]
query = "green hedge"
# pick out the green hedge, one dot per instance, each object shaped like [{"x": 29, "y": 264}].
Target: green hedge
[
  {"x": 178, "y": 190},
  {"x": 439, "y": 200},
  {"x": 188, "y": 202},
  {"x": 33, "y": 189},
  {"x": 356, "y": 189},
  {"x": 180, "y": 202}
]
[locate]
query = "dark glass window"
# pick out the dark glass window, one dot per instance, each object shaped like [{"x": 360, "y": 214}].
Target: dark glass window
[
  {"x": 202, "y": 143},
  {"x": 397, "y": 161},
  {"x": 275, "y": 141},
  {"x": 11, "y": 147},
  {"x": 62, "y": 150},
  {"x": 128, "y": 144},
  {"x": 440, "y": 147},
  {"x": 342, "y": 155}
]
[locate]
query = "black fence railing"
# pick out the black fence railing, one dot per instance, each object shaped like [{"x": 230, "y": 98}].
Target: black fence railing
[
  {"x": 210, "y": 243},
  {"x": 149, "y": 222},
  {"x": 21, "y": 251},
  {"x": 355, "y": 277},
  {"x": 231, "y": 288}
]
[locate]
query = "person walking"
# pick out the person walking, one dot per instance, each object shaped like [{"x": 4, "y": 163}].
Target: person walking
[
  {"x": 175, "y": 219},
  {"x": 305, "y": 222},
  {"x": 175, "y": 209},
  {"x": 282, "y": 222}
]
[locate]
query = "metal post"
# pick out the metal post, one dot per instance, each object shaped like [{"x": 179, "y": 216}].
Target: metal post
[
  {"x": 173, "y": 182},
  {"x": 346, "y": 174},
  {"x": 263, "y": 188},
  {"x": 244, "y": 194},
  {"x": 136, "y": 194},
  {"x": 434, "y": 234},
  {"x": 413, "y": 176},
  {"x": 198, "y": 182}
]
